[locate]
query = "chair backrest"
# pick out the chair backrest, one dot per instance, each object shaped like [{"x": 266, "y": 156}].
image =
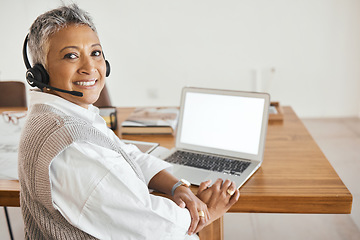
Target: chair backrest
[
  {"x": 12, "y": 94},
  {"x": 104, "y": 99}
]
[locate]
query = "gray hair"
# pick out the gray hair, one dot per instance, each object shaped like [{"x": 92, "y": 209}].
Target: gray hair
[{"x": 51, "y": 22}]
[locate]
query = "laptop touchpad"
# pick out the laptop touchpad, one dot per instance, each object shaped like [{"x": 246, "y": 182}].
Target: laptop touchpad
[{"x": 194, "y": 176}]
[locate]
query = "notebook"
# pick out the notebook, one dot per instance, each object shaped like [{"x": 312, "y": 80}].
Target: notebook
[{"x": 221, "y": 134}]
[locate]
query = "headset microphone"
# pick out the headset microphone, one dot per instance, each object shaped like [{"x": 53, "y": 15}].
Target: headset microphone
[
  {"x": 37, "y": 75},
  {"x": 33, "y": 82}
]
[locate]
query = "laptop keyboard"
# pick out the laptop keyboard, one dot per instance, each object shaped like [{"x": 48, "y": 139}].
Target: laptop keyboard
[{"x": 208, "y": 162}]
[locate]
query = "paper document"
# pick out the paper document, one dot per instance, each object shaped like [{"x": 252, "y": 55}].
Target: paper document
[{"x": 9, "y": 144}]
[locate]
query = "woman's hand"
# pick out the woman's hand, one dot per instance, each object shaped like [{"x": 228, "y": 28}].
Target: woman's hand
[
  {"x": 184, "y": 197},
  {"x": 211, "y": 202},
  {"x": 163, "y": 181},
  {"x": 219, "y": 197}
]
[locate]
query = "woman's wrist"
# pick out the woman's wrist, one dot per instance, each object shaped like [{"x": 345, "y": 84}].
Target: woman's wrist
[
  {"x": 163, "y": 181},
  {"x": 180, "y": 183}
]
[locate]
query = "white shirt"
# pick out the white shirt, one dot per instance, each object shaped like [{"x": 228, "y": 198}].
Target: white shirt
[{"x": 97, "y": 191}]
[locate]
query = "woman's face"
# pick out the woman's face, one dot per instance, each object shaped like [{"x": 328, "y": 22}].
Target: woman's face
[{"x": 75, "y": 63}]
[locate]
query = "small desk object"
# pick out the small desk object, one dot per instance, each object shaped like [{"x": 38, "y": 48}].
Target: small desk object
[{"x": 295, "y": 176}]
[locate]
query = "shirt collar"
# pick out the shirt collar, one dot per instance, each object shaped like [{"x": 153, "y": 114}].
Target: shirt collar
[{"x": 69, "y": 108}]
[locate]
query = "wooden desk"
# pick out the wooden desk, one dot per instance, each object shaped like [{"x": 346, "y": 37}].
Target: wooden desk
[{"x": 295, "y": 176}]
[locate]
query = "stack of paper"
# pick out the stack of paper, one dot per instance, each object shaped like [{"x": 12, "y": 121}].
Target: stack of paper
[{"x": 151, "y": 121}]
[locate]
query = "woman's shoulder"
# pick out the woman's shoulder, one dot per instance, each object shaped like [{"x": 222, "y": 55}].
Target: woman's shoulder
[
  {"x": 44, "y": 121},
  {"x": 49, "y": 116}
]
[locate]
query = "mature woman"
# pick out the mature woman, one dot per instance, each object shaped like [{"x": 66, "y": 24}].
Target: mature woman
[{"x": 78, "y": 180}]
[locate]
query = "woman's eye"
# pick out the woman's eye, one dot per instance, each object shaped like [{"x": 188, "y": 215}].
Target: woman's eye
[
  {"x": 96, "y": 53},
  {"x": 70, "y": 56}
]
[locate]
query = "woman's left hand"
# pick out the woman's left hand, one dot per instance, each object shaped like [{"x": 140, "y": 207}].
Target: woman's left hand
[{"x": 184, "y": 197}]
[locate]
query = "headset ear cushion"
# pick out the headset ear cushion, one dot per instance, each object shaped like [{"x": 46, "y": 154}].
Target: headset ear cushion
[
  {"x": 107, "y": 68},
  {"x": 42, "y": 73},
  {"x": 37, "y": 76},
  {"x": 31, "y": 77}
]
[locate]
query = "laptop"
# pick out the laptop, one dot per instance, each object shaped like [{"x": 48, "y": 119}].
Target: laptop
[{"x": 220, "y": 134}]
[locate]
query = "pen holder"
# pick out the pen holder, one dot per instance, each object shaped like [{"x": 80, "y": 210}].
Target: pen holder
[{"x": 109, "y": 114}]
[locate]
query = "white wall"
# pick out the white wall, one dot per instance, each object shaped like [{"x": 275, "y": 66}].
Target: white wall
[{"x": 308, "y": 50}]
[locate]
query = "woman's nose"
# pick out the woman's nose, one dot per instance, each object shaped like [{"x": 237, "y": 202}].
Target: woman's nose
[{"x": 87, "y": 66}]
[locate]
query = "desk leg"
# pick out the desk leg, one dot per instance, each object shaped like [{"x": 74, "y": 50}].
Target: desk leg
[{"x": 214, "y": 231}]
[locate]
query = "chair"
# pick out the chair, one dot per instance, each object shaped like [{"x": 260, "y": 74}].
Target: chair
[
  {"x": 12, "y": 94},
  {"x": 104, "y": 99}
]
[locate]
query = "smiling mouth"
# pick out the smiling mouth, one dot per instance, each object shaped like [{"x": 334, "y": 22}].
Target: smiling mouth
[{"x": 86, "y": 83}]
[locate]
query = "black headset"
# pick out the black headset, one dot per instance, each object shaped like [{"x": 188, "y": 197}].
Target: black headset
[{"x": 37, "y": 75}]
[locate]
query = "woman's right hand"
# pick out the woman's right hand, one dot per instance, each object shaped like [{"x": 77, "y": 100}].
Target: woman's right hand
[{"x": 217, "y": 197}]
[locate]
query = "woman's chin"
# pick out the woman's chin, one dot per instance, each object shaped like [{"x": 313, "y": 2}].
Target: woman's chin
[{"x": 90, "y": 99}]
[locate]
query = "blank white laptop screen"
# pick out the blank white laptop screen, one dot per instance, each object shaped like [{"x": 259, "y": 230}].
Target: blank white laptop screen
[{"x": 222, "y": 121}]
